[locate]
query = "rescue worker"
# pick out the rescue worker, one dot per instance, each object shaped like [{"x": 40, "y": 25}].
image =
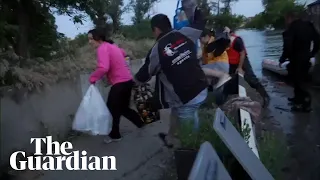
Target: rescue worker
[
  {"x": 297, "y": 39},
  {"x": 239, "y": 63},
  {"x": 214, "y": 55},
  {"x": 180, "y": 81}
]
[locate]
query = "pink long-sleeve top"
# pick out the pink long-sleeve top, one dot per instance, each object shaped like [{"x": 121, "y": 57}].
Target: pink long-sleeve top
[{"x": 111, "y": 63}]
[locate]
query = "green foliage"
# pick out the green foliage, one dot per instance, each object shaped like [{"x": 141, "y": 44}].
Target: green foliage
[
  {"x": 226, "y": 19},
  {"x": 80, "y": 40},
  {"x": 140, "y": 9},
  {"x": 257, "y": 22},
  {"x": 246, "y": 132},
  {"x": 272, "y": 149},
  {"x": 138, "y": 31},
  {"x": 191, "y": 139},
  {"x": 273, "y": 153},
  {"x": 274, "y": 13}
]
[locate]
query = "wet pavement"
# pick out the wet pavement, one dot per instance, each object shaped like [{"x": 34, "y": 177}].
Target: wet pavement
[{"x": 301, "y": 129}]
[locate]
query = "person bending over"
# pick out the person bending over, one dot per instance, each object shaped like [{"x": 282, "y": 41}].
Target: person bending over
[
  {"x": 111, "y": 64},
  {"x": 214, "y": 55},
  {"x": 239, "y": 63},
  {"x": 180, "y": 81}
]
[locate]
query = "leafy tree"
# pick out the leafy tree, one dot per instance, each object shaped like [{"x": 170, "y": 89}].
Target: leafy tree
[
  {"x": 101, "y": 11},
  {"x": 274, "y": 13},
  {"x": 137, "y": 31},
  {"x": 140, "y": 9},
  {"x": 227, "y": 5},
  {"x": 27, "y": 23},
  {"x": 209, "y": 7}
]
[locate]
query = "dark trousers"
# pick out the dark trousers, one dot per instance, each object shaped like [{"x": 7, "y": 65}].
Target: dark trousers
[
  {"x": 118, "y": 104},
  {"x": 298, "y": 74},
  {"x": 249, "y": 76}
]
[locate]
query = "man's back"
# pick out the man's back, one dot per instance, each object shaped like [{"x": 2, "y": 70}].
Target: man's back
[
  {"x": 302, "y": 34},
  {"x": 180, "y": 67}
]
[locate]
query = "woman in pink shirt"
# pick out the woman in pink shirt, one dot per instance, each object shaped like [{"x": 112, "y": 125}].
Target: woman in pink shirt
[{"x": 111, "y": 63}]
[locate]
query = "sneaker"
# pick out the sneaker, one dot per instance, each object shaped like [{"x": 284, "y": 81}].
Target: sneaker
[
  {"x": 225, "y": 78},
  {"x": 109, "y": 140},
  {"x": 292, "y": 100}
]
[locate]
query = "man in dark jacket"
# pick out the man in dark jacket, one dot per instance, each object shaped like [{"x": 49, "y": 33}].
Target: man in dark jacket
[
  {"x": 297, "y": 40},
  {"x": 180, "y": 81}
]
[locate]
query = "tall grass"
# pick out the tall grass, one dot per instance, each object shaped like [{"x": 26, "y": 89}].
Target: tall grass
[
  {"x": 39, "y": 72},
  {"x": 272, "y": 147}
]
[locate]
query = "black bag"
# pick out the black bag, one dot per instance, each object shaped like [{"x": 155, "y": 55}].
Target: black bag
[{"x": 143, "y": 99}]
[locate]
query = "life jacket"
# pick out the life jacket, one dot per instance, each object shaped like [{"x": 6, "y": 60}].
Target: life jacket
[
  {"x": 209, "y": 58},
  {"x": 234, "y": 56}
]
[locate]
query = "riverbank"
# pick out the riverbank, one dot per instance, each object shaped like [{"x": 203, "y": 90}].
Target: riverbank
[{"x": 300, "y": 129}]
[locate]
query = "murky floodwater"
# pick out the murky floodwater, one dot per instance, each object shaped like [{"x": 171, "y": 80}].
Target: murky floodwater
[
  {"x": 261, "y": 45},
  {"x": 301, "y": 129}
]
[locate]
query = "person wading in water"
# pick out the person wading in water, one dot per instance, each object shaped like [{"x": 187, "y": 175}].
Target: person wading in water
[{"x": 239, "y": 63}]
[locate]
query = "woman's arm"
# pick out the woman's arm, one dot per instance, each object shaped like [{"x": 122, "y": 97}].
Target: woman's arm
[{"x": 103, "y": 65}]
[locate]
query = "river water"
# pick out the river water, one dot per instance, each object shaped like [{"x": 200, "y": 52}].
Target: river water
[
  {"x": 261, "y": 45},
  {"x": 301, "y": 130}
]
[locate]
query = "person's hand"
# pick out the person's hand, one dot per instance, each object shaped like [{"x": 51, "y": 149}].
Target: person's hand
[
  {"x": 136, "y": 82},
  {"x": 240, "y": 70},
  {"x": 280, "y": 64},
  {"x": 92, "y": 81},
  {"x": 281, "y": 61},
  {"x": 226, "y": 29}
]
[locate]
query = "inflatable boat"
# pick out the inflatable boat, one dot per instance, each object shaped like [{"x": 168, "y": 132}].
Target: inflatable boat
[{"x": 273, "y": 66}]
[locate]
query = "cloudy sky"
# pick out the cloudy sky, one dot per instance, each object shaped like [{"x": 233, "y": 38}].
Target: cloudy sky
[{"x": 247, "y": 8}]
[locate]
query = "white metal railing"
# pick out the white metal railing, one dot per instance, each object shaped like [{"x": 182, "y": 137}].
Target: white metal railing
[{"x": 245, "y": 119}]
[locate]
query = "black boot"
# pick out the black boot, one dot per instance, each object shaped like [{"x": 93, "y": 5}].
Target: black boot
[
  {"x": 305, "y": 106},
  {"x": 266, "y": 98},
  {"x": 293, "y": 101},
  {"x": 301, "y": 108}
]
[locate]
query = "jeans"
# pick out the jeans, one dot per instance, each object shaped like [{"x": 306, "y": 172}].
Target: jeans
[{"x": 190, "y": 110}]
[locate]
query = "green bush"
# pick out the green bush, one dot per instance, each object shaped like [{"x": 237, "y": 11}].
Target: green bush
[
  {"x": 273, "y": 153},
  {"x": 272, "y": 149},
  {"x": 191, "y": 139}
]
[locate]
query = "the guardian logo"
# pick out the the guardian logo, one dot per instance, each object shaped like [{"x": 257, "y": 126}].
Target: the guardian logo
[{"x": 61, "y": 158}]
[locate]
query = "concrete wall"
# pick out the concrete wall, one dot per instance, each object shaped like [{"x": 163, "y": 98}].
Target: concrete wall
[{"x": 36, "y": 114}]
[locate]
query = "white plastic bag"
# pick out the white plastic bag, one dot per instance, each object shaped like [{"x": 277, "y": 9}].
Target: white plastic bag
[{"x": 93, "y": 116}]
